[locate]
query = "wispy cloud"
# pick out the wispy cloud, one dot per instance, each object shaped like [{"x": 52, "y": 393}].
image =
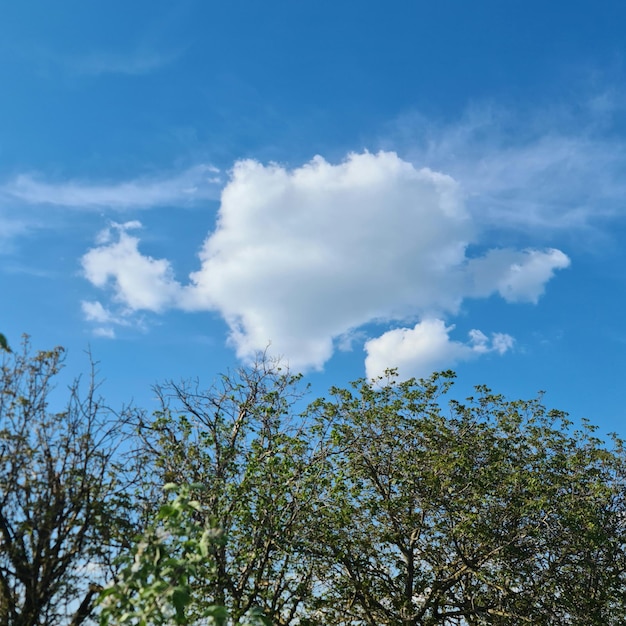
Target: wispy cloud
[
  {"x": 105, "y": 320},
  {"x": 198, "y": 183},
  {"x": 142, "y": 59},
  {"x": 10, "y": 228},
  {"x": 555, "y": 169},
  {"x": 105, "y": 332},
  {"x": 133, "y": 63}
]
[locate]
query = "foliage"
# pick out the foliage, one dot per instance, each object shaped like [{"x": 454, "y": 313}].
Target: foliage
[
  {"x": 56, "y": 494},
  {"x": 495, "y": 514},
  {"x": 154, "y": 586},
  {"x": 382, "y": 504},
  {"x": 242, "y": 442}
]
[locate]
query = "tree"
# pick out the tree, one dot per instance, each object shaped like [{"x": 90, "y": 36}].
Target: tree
[
  {"x": 380, "y": 505},
  {"x": 498, "y": 513},
  {"x": 57, "y": 494},
  {"x": 243, "y": 441}
]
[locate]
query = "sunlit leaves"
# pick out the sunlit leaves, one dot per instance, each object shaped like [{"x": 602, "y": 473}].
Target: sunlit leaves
[
  {"x": 158, "y": 579},
  {"x": 488, "y": 511}
]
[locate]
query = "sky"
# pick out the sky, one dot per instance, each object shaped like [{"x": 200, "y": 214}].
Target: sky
[{"x": 348, "y": 186}]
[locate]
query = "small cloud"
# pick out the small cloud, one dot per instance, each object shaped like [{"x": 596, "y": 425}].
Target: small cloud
[
  {"x": 105, "y": 319},
  {"x": 105, "y": 236},
  {"x": 518, "y": 276},
  {"x": 104, "y": 332},
  {"x": 95, "y": 312},
  {"x": 139, "y": 282},
  {"x": 418, "y": 351},
  {"x": 501, "y": 342}
]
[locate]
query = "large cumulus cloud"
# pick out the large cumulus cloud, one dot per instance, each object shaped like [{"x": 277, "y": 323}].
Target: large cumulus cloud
[{"x": 300, "y": 257}]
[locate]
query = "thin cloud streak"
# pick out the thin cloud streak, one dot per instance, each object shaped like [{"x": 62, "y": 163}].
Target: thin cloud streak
[
  {"x": 139, "y": 61},
  {"x": 136, "y": 63},
  {"x": 195, "y": 184}
]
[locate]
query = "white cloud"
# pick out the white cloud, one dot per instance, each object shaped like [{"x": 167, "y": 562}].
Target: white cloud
[
  {"x": 198, "y": 183},
  {"x": 418, "y": 351},
  {"x": 301, "y": 258},
  {"x": 516, "y": 276},
  {"x": 105, "y": 320},
  {"x": 104, "y": 331},
  {"x": 501, "y": 342},
  {"x": 138, "y": 281},
  {"x": 95, "y": 312}
]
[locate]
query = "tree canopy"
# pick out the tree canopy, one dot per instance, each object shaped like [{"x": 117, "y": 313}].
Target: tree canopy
[
  {"x": 384, "y": 503},
  {"x": 486, "y": 512}
]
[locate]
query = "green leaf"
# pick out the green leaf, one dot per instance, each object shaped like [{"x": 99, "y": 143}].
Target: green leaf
[
  {"x": 219, "y": 614},
  {"x": 4, "y": 344},
  {"x": 255, "y": 617},
  {"x": 180, "y": 599}
]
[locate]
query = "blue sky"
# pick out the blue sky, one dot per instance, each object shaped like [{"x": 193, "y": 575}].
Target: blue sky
[{"x": 357, "y": 185}]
